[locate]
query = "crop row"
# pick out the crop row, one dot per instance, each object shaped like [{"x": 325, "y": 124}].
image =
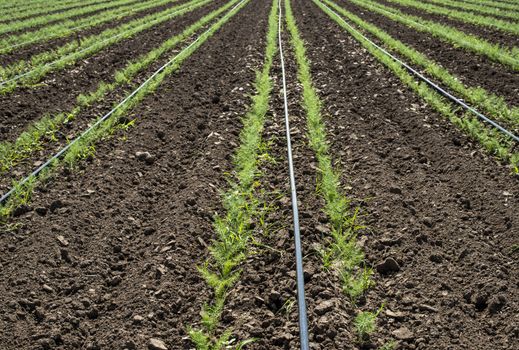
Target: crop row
[
  {"x": 242, "y": 206},
  {"x": 487, "y": 101},
  {"x": 472, "y": 43},
  {"x": 75, "y": 12},
  {"x": 44, "y": 130},
  {"x": 16, "y": 5},
  {"x": 498, "y": 4},
  {"x": 84, "y": 145},
  {"x": 497, "y": 144},
  {"x": 464, "y": 16},
  {"x": 479, "y": 8},
  {"x": 67, "y": 28},
  {"x": 39, "y": 9},
  {"x": 29, "y": 72}
]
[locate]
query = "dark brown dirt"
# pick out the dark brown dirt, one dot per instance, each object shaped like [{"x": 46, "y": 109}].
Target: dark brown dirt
[
  {"x": 89, "y": 14},
  {"x": 59, "y": 89},
  {"x": 51, "y": 11},
  {"x": 27, "y": 52},
  {"x": 491, "y": 34},
  {"x": 128, "y": 272},
  {"x": 263, "y": 304},
  {"x": 500, "y": 16},
  {"x": 471, "y": 69},
  {"x": 435, "y": 202}
]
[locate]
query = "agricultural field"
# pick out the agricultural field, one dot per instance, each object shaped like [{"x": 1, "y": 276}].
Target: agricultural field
[{"x": 259, "y": 174}]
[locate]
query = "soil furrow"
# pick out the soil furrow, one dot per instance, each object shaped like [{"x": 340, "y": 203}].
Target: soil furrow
[
  {"x": 58, "y": 91},
  {"x": 27, "y": 52},
  {"x": 472, "y": 70},
  {"x": 492, "y": 34},
  {"x": 263, "y": 303},
  {"x": 132, "y": 232},
  {"x": 438, "y": 206}
]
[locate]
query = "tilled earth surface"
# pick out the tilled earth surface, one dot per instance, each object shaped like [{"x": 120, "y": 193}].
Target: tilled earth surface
[
  {"x": 106, "y": 256},
  {"x": 471, "y": 69},
  {"x": 491, "y": 34},
  {"x": 59, "y": 90},
  {"x": 437, "y": 206},
  {"x": 24, "y": 53}
]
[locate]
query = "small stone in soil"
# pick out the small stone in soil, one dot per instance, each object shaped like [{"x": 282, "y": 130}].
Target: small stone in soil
[
  {"x": 156, "y": 344},
  {"x": 145, "y": 157},
  {"x": 403, "y": 333},
  {"x": 62, "y": 240},
  {"x": 389, "y": 265},
  {"x": 324, "y": 307}
]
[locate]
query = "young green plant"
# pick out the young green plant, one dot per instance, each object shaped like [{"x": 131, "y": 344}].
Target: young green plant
[
  {"x": 241, "y": 204},
  {"x": 342, "y": 251}
]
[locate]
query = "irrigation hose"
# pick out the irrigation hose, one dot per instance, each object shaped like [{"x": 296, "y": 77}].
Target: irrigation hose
[
  {"x": 71, "y": 30},
  {"x": 17, "y": 77},
  {"x": 303, "y": 321},
  {"x": 107, "y": 115},
  {"x": 428, "y": 81}
]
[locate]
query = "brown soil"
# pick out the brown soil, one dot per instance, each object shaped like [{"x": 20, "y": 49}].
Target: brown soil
[
  {"x": 59, "y": 89},
  {"x": 89, "y": 14},
  {"x": 473, "y": 70},
  {"x": 435, "y": 203},
  {"x": 105, "y": 257},
  {"x": 491, "y": 34},
  {"x": 27, "y": 52},
  {"x": 134, "y": 242}
]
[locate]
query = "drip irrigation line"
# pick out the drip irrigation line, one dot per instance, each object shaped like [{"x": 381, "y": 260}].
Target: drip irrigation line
[
  {"x": 72, "y": 30},
  {"x": 422, "y": 25},
  {"x": 18, "y": 77},
  {"x": 301, "y": 303},
  {"x": 107, "y": 115},
  {"x": 428, "y": 81}
]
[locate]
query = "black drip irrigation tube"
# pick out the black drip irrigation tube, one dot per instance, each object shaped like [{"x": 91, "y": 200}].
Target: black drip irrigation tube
[
  {"x": 105, "y": 117},
  {"x": 301, "y": 303},
  {"x": 432, "y": 84}
]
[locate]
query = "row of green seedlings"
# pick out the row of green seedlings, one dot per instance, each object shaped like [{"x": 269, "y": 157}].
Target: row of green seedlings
[
  {"x": 11, "y": 6},
  {"x": 65, "y": 29},
  {"x": 479, "y": 97},
  {"x": 487, "y": 10},
  {"x": 491, "y": 139},
  {"x": 84, "y": 147},
  {"x": 463, "y": 16},
  {"x": 42, "y": 8},
  {"x": 75, "y": 12},
  {"x": 497, "y": 53},
  {"x": 45, "y": 129},
  {"x": 342, "y": 253},
  {"x": 243, "y": 206},
  {"x": 503, "y": 6},
  {"x": 40, "y": 65}
]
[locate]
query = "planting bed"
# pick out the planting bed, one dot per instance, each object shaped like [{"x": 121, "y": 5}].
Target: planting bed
[{"x": 170, "y": 224}]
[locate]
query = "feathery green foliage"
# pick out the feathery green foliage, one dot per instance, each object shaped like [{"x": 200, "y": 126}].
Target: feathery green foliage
[
  {"x": 491, "y": 139},
  {"x": 506, "y": 56},
  {"x": 343, "y": 253},
  {"x": 67, "y": 28},
  {"x": 42, "y": 64},
  {"x": 85, "y": 146},
  {"x": 491, "y": 103},
  {"x": 45, "y": 129},
  {"x": 481, "y": 8},
  {"x": 46, "y": 18},
  {"x": 464, "y": 16},
  {"x": 38, "y": 9},
  {"x": 241, "y": 204}
]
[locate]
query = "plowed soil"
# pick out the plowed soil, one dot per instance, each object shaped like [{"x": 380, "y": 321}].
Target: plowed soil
[
  {"x": 106, "y": 256},
  {"x": 473, "y": 70},
  {"x": 60, "y": 89}
]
